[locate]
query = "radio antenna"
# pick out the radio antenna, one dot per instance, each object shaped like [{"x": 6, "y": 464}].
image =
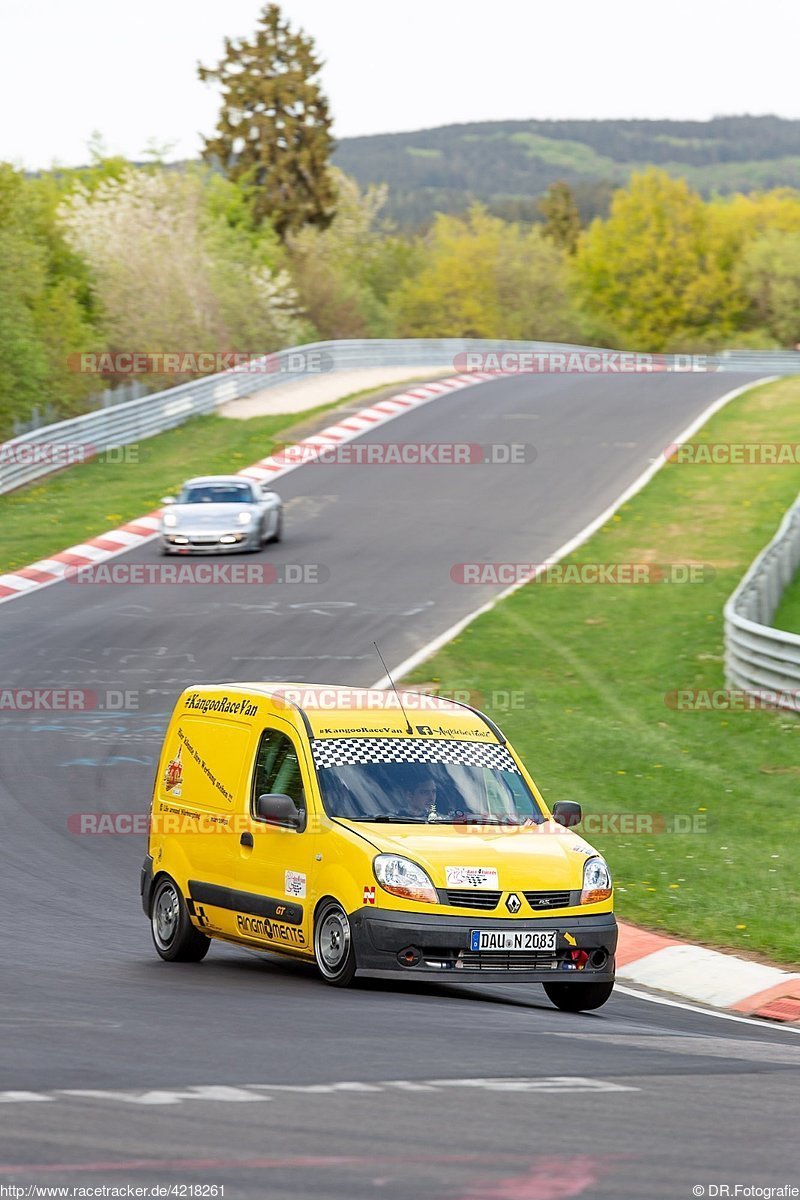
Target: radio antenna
[{"x": 394, "y": 689}]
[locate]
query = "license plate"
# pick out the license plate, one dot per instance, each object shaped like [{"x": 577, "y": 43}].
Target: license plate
[{"x": 495, "y": 939}]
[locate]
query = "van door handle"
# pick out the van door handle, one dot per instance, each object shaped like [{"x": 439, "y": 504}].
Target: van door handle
[{"x": 246, "y": 840}]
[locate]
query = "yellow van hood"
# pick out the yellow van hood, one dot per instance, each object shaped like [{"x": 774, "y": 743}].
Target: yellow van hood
[{"x": 540, "y": 857}]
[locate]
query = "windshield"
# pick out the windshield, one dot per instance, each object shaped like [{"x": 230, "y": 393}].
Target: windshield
[
  {"x": 217, "y": 493},
  {"x": 487, "y": 788}
]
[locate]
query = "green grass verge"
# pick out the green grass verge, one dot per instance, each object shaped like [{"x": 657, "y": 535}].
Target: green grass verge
[
  {"x": 589, "y": 670},
  {"x": 87, "y": 500},
  {"x": 788, "y": 614}
]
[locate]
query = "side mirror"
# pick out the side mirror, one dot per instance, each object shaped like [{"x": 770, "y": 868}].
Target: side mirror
[
  {"x": 168, "y": 500},
  {"x": 266, "y": 491},
  {"x": 277, "y": 809},
  {"x": 567, "y": 813}
]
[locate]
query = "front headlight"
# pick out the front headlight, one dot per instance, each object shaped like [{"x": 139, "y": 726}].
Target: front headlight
[
  {"x": 170, "y": 520},
  {"x": 404, "y": 878},
  {"x": 596, "y": 881},
  {"x": 245, "y": 518}
]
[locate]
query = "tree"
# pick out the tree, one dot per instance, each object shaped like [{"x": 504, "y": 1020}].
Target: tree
[
  {"x": 273, "y": 133},
  {"x": 345, "y": 273},
  {"x": 45, "y": 313},
  {"x": 562, "y": 220},
  {"x": 485, "y": 278},
  {"x": 770, "y": 275},
  {"x": 177, "y": 267},
  {"x": 660, "y": 269}
]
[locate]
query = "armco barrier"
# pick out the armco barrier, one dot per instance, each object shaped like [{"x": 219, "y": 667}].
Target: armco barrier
[
  {"x": 42, "y": 451},
  {"x": 759, "y": 658}
]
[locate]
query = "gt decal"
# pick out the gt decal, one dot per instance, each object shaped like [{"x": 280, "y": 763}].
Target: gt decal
[{"x": 369, "y": 895}]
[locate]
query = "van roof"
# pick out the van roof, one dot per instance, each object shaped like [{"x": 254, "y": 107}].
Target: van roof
[{"x": 332, "y": 710}]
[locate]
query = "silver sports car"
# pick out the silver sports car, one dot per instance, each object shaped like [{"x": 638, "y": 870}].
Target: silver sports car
[{"x": 220, "y": 513}]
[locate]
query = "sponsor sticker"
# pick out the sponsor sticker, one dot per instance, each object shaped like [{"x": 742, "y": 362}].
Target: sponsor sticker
[
  {"x": 294, "y": 884},
  {"x": 173, "y": 775},
  {"x": 471, "y": 877},
  {"x": 369, "y": 895}
]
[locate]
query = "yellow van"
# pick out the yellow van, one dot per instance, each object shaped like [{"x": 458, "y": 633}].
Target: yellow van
[{"x": 373, "y": 832}]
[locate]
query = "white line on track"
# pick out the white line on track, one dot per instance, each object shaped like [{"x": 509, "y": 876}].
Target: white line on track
[{"x": 770, "y": 1026}]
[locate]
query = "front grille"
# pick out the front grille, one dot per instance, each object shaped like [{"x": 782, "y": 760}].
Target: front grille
[
  {"x": 511, "y": 960},
  {"x": 540, "y": 900},
  {"x": 470, "y": 898}
]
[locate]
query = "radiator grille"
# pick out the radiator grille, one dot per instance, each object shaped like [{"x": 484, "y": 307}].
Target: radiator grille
[{"x": 473, "y": 898}]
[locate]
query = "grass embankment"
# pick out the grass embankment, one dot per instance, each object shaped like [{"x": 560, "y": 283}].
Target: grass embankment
[
  {"x": 788, "y": 614},
  {"x": 85, "y": 500},
  {"x": 594, "y": 667}
]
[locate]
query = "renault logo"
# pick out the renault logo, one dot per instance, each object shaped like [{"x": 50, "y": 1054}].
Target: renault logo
[{"x": 513, "y": 902}]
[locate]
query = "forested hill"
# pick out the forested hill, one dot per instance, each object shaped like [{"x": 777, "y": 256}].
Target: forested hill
[{"x": 508, "y": 164}]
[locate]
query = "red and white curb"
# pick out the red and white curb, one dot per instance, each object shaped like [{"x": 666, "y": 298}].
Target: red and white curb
[
  {"x": 705, "y": 976},
  {"x": 144, "y": 529}
]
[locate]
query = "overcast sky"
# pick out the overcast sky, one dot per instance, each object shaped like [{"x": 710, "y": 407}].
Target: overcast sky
[{"x": 68, "y": 67}]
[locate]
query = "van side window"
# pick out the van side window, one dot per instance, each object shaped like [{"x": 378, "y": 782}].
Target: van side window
[{"x": 277, "y": 770}]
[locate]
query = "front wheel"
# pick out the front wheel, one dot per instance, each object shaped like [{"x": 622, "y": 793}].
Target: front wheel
[
  {"x": 174, "y": 936},
  {"x": 578, "y": 997},
  {"x": 333, "y": 945},
  {"x": 278, "y": 534}
]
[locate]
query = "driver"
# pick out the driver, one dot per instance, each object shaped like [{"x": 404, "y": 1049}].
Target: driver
[{"x": 419, "y": 797}]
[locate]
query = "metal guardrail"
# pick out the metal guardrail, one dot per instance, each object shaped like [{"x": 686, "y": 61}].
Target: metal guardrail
[
  {"x": 42, "y": 451},
  {"x": 758, "y": 658}
]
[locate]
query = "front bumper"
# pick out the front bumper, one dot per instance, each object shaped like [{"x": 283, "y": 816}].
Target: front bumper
[
  {"x": 203, "y": 542},
  {"x": 439, "y": 946}
]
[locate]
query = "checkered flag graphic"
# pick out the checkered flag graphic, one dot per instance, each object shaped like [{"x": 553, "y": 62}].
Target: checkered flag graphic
[{"x": 343, "y": 752}]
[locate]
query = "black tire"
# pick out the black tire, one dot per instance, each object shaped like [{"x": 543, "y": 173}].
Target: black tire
[
  {"x": 578, "y": 997},
  {"x": 174, "y": 936},
  {"x": 333, "y": 945},
  {"x": 278, "y": 534}
]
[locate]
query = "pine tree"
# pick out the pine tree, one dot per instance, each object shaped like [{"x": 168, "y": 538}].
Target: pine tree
[
  {"x": 273, "y": 133},
  {"x": 561, "y": 216}
]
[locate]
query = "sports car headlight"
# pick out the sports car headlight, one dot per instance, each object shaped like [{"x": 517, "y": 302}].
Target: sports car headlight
[
  {"x": 404, "y": 878},
  {"x": 596, "y": 881},
  {"x": 170, "y": 520},
  {"x": 245, "y": 518}
]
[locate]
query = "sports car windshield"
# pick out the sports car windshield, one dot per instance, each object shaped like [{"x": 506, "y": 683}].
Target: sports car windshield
[
  {"x": 427, "y": 792},
  {"x": 217, "y": 493}
]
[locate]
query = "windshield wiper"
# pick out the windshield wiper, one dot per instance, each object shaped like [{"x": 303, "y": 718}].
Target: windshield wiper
[{"x": 387, "y": 818}]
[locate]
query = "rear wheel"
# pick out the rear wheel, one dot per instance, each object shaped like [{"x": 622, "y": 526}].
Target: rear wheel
[
  {"x": 578, "y": 997},
  {"x": 333, "y": 945},
  {"x": 174, "y": 936}
]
